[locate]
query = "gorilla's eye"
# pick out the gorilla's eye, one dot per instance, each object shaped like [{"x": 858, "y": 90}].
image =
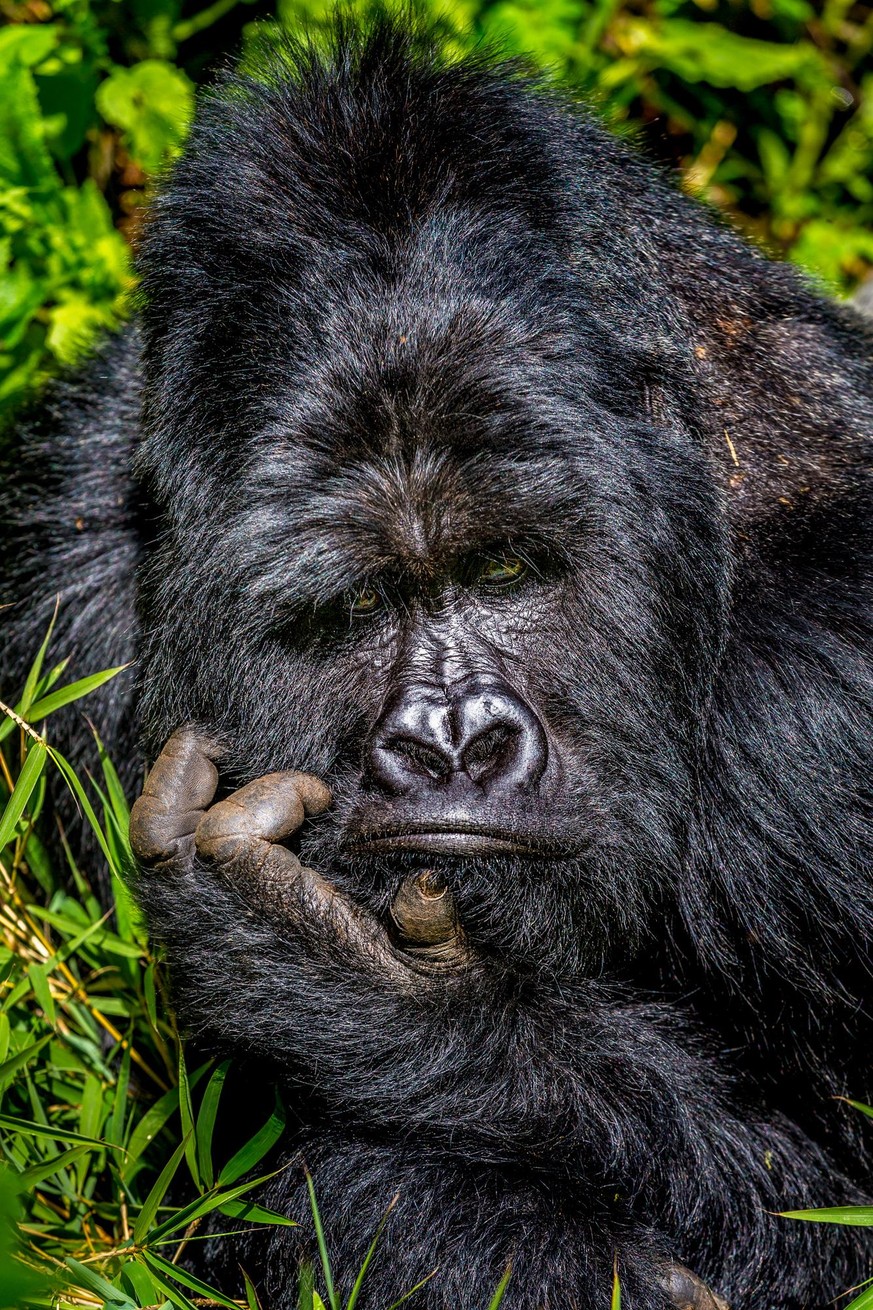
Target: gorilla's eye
[
  {"x": 502, "y": 571},
  {"x": 363, "y": 602}
]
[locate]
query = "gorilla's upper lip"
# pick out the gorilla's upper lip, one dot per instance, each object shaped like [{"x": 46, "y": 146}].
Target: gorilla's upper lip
[{"x": 444, "y": 838}]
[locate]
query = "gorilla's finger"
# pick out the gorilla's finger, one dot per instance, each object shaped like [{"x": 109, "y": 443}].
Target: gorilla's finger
[
  {"x": 266, "y": 810},
  {"x": 177, "y": 790},
  {"x": 688, "y": 1292}
]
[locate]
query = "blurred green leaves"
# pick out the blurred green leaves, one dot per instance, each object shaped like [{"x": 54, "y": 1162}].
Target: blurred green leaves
[
  {"x": 764, "y": 106},
  {"x": 151, "y": 104}
]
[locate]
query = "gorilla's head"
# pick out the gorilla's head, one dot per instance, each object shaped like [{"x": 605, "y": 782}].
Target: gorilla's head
[{"x": 435, "y": 522}]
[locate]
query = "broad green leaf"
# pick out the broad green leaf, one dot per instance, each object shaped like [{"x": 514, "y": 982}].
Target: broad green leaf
[
  {"x": 708, "y": 52},
  {"x": 152, "y": 104}
]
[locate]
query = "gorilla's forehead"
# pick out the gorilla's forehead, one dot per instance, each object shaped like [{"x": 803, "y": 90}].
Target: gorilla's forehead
[
  {"x": 319, "y": 527},
  {"x": 428, "y": 426}
]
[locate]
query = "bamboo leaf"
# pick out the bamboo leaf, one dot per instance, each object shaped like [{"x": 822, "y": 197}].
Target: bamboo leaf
[
  {"x": 94, "y": 1282},
  {"x": 50, "y": 1133},
  {"x": 186, "y": 1114},
  {"x": 864, "y": 1301},
  {"x": 206, "y": 1121},
  {"x": 9, "y": 1068},
  {"x": 146, "y": 1216},
  {"x": 35, "y": 670},
  {"x": 371, "y": 1250},
  {"x": 157, "y": 1263},
  {"x": 856, "y": 1216},
  {"x": 255, "y": 1149},
  {"x": 500, "y": 1290},
  {"x": 205, "y": 1205},
  {"x": 56, "y": 700},
  {"x": 256, "y": 1214},
  {"x": 21, "y": 793},
  {"x": 37, "y": 1173}
]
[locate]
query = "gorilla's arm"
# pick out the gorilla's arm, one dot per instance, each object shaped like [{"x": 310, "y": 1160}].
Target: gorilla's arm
[{"x": 451, "y": 1051}]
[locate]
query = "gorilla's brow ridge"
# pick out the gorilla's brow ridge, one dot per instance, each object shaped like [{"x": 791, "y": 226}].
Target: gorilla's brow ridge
[{"x": 413, "y": 520}]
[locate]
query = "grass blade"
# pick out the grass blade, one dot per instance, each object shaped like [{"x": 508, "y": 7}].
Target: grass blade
[
  {"x": 371, "y": 1251},
  {"x": 855, "y": 1216},
  {"x": 500, "y": 1290},
  {"x": 157, "y": 1264},
  {"x": 333, "y": 1299}
]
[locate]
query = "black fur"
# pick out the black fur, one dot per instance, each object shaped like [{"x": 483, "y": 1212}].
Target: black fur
[{"x": 396, "y": 312}]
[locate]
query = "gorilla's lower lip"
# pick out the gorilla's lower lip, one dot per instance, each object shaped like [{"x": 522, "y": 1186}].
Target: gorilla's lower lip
[{"x": 445, "y": 841}]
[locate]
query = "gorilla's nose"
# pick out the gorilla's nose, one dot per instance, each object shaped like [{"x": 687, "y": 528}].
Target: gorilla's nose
[{"x": 473, "y": 731}]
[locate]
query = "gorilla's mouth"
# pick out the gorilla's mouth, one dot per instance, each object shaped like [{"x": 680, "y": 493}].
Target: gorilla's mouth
[{"x": 445, "y": 839}]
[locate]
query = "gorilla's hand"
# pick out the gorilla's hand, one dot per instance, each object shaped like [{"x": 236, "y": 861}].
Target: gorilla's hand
[{"x": 236, "y": 838}]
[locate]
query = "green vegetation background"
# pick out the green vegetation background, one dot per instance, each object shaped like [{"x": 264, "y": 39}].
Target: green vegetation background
[
  {"x": 765, "y": 106},
  {"x": 107, "y": 1167}
]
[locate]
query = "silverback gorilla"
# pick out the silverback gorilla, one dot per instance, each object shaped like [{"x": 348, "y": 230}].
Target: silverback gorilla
[{"x": 491, "y": 531}]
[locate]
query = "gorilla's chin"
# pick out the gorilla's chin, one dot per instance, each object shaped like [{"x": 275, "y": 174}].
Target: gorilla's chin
[{"x": 526, "y": 914}]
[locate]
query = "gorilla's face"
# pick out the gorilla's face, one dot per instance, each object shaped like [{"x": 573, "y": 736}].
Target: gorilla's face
[{"x": 478, "y": 598}]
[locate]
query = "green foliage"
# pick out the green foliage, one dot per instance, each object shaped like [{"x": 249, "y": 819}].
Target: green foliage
[
  {"x": 107, "y": 1168},
  {"x": 765, "y": 107}
]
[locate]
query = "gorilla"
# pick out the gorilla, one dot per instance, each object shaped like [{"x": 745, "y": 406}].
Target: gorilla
[{"x": 490, "y": 528}]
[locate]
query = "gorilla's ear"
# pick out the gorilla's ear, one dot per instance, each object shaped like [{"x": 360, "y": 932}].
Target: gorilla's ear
[{"x": 785, "y": 398}]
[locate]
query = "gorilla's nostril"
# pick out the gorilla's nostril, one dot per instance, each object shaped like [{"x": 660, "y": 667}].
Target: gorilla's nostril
[
  {"x": 430, "y": 761},
  {"x": 487, "y": 749}
]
